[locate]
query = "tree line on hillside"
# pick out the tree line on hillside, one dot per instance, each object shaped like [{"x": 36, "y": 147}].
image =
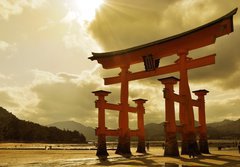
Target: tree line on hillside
[{"x": 14, "y": 130}]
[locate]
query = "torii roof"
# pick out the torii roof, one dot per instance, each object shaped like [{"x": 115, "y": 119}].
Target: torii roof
[{"x": 189, "y": 40}]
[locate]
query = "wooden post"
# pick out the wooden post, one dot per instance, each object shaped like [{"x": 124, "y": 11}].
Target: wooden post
[
  {"x": 186, "y": 108},
  {"x": 171, "y": 146},
  {"x": 124, "y": 137},
  {"x": 101, "y": 130},
  {"x": 140, "y": 119},
  {"x": 203, "y": 142}
]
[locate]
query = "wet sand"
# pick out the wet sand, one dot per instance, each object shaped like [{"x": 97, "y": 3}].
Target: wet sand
[{"x": 85, "y": 157}]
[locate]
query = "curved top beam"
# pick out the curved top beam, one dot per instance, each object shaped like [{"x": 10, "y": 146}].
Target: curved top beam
[{"x": 189, "y": 40}]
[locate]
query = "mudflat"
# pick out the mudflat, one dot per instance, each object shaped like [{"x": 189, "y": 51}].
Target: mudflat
[{"x": 83, "y": 155}]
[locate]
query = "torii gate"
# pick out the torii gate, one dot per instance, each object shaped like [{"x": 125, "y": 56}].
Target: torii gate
[{"x": 150, "y": 54}]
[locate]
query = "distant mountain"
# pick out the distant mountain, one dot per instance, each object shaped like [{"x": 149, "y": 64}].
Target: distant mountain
[
  {"x": 225, "y": 122},
  {"x": 226, "y": 129},
  {"x": 88, "y": 132},
  {"x": 13, "y": 129},
  {"x": 154, "y": 131}
]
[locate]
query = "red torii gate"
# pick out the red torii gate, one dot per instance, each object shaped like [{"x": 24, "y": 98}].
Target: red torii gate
[{"x": 150, "y": 54}]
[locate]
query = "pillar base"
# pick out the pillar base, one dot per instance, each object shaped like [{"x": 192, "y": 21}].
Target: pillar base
[
  {"x": 102, "y": 147},
  {"x": 171, "y": 145},
  {"x": 141, "y": 146},
  {"x": 203, "y": 146},
  {"x": 184, "y": 146},
  {"x": 123, "y": 147},
  {"x": 189, "y": 143}
]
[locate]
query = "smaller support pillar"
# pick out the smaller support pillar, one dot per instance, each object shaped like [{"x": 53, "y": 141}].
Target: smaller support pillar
[
  {"x": 171, "y": 145},
  {"x": 141, "y": 133},
  {"x": 101, "y": 130},
  {"x": 203, "y": 143}
]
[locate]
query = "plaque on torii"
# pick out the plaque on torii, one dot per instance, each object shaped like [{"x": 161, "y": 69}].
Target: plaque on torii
[{"x": 150, "y": 54}]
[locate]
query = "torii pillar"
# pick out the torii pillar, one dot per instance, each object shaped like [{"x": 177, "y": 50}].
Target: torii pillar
[
  {"x": 171, "y": 145},
  {"x": 101, "y": 131},
  {"x": 140, "y": 119},
  {"x": 203, "y": 143},
  {"x": 123, "y": 147},
  {"x": 186, "y": 109}
]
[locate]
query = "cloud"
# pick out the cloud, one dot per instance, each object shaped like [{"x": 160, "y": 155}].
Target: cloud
[
  {"x": 124, "y": 24},
  {"x": 38, "y": 39},
  {"x": 7, "y": 50},
  {"x": 8, "y": 8},
  {"x": 225, "y": 72},
  {"x": 54, "y": 97},
  {"x": 3, "y": 45},
  {"x": 7, "y": 100},
  {"x": 17, "y": 100},
  {"x": 223, "y": 109},
  {"x": 4, "y": 77},
  {"x": 232, "y": 82},
  {"x": 64, "y": 97},
  {"x": 79, "y": 41}
]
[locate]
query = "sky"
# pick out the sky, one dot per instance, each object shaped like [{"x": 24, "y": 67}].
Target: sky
[{"x": 46, "y": 76}]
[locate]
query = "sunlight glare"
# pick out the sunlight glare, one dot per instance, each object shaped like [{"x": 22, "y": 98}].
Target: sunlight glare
[{"x": 86, "y": 9}]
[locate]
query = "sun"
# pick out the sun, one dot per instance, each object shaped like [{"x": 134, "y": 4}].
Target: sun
[{"x": 86, "y": 9}]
